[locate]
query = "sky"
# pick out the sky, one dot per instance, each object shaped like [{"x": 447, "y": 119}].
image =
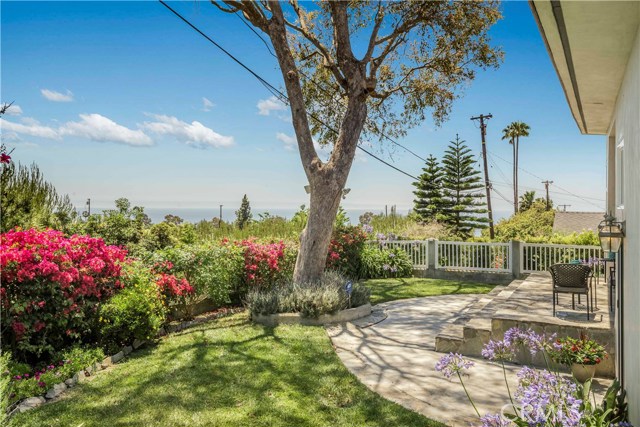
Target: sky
[{"x": 122, "y": 99}]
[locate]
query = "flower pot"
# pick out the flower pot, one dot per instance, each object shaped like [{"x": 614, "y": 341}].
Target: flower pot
[{"x": 583, "y": 373}]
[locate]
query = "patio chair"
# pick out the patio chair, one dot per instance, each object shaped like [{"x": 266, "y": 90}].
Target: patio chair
[{"x": 572, "y": 279}]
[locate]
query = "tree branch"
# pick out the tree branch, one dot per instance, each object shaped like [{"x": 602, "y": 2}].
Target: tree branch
[
  {"x": 374, "y": 33},
  {"x": 278, "y": 32},
  {"x": 303, "y": 29}
]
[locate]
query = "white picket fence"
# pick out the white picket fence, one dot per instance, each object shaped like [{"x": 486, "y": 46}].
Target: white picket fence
[
  {"x": 465, "y": 256},
  {"x": 539, "y": 257},
  {"x": 418, "y": 250},
  {"x": 491, "y": 257}
]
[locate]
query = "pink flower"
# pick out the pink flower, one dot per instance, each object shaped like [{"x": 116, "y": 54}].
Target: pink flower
[{"x": 5, "y": 158}]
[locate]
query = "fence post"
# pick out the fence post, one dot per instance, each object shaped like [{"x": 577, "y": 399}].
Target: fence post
[
  {"x": 431, "y": 252},
  {"x": 516, "y": 268}
]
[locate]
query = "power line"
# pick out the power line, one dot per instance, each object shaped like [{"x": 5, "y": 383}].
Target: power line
[
  {"x": 583, "y": 198},
  {"x": 276, "y": 92}
]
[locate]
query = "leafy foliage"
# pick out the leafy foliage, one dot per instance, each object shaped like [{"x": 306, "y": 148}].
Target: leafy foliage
[
  {"x": 462, "y": 187},
  {"x": 28, "y": 200},
  {"x": 533, "y": 223},
  {"x": 243, "y": 215},
  {"x": 429, "y": 203},
  {"x": 137, "y": 312},
  {"x": 5, "y": 379},
  {"x": 345, "y": 250},
  {"x": 381, "y": 262},
  {"x": 29, "y": 382},
  {"x": 581, "y": 350},
  {"x": 328, "y": 295}
]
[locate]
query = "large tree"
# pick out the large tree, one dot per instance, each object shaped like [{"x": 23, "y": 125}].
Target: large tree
[
  {"x": 512, "y": 133},
  {"x": 463, "y": 188},
  {"x": 362, "y": 69},
  {"x": 243, "y": 215},
  {"x": 429, "y": 203}
]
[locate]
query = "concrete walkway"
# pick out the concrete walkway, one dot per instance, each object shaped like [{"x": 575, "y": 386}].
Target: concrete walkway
[{"x": 396, "y": 358}]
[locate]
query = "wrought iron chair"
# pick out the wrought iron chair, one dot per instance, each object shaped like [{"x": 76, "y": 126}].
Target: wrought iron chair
[{"x": 572, "y": 279}]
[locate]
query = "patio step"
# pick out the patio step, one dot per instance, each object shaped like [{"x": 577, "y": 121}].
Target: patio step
[{"x": 469, "y": 335}]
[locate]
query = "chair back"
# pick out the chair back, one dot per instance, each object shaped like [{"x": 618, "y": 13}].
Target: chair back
[{"x": 570, "y": 275}]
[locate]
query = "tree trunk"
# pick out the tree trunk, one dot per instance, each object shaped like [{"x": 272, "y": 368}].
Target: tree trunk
[
  {"x": 515, "y": 179},
  {"x": 515, "y": 184},
  {"x": 316, "y": 237}
]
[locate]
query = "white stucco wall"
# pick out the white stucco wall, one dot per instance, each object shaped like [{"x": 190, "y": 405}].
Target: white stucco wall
[{"x": 627, "y": 128}]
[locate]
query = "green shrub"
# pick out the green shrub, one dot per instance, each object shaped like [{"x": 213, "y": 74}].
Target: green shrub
[
  {"x": 136, "y": 312},
  {"x": 383, "y": 262},
  {"x": 5, "y": 378},
  {"x": 215, "y": 271},
  {"x": 310, "y": 300},
  {"x": 345, "y": 250},
  {"x": 29, "y": 382}
]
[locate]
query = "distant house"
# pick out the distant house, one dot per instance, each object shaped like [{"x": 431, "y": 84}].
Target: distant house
[
  {"x": 595, "y": 48},
  {"x": 576, "y": 222}
]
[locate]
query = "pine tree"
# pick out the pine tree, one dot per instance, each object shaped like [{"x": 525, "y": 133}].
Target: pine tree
[
  {"x": 429, "y": 204},
  {"x": 463, "y": 190},
  {"x": 243, "y": 215}
]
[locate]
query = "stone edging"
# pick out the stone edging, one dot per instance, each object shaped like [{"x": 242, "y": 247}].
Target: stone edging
[
  {"x": 58, "y": 389},
  {"x": 324, "y": 319}
]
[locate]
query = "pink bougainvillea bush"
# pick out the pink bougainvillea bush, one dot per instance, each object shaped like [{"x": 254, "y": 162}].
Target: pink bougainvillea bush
[
  {"x": 51, "y": 287},
  {"x": 267, "y": 264}
]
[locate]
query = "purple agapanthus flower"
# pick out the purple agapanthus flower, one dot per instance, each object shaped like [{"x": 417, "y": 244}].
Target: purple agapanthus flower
[
  {"x": 498, "y": 350},
  {"x": 535, "y": 342},
  {"x": 547, "y": 399},
  {"x": 381, "y": 236},
  {"x": 452, "y": 363},
  {"x": 495, "y": 420},
  {"x": 367, "y": 228}
]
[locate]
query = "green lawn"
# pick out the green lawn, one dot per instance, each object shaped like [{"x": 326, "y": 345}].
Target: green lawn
[
  {"x": 383, "y": 290},
  {"x": 228, "y": 372}
]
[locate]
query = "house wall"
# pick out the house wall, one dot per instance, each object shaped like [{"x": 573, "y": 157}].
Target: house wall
[{"x": 627, "y": 128}]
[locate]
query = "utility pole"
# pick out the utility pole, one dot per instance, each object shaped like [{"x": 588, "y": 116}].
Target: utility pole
[
  {"x": 483, "y": 133},
  {"x": 564, "y": 207},
  {"x": 220, "y": 222},
  {"x": 546, "y": 187},
  {"x": 87, "y": 213}
]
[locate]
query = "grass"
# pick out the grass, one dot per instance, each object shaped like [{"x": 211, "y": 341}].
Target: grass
[
  {"x": 383, "y": 290},
  {"x": 227, "y": 373}
]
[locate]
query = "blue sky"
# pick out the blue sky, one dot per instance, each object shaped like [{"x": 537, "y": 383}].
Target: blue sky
[{"x": 122, "y": 99}]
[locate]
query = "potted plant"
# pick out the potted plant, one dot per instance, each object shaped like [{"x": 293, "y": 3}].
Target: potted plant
[{"x": 581, "y": 354}]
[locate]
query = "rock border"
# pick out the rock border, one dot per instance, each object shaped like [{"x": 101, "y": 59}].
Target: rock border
[
  {"x": 342, "y": 316},
  {"x": 57, "y": 390}
]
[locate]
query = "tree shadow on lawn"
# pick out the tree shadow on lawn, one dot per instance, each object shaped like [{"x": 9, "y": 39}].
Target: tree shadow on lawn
[{"x": 239, "y": 375}]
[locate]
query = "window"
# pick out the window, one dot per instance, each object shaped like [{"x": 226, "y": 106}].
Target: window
[{"x": 620, "y": 175}]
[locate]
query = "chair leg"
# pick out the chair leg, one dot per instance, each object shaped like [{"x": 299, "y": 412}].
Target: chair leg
[
  {"x": 555, "y": 297},
  {"x": 573, "y": 301}
]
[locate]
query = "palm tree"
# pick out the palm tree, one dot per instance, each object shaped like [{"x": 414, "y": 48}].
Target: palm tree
[
  {"x": 508, "y": 133},
  {"x": 513, "y": 132}
]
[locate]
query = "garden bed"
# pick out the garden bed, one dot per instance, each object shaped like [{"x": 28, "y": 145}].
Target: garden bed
[{"x": 324, "y": 319}]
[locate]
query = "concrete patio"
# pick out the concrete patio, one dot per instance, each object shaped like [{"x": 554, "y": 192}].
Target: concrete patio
[
  {"x": 393, "y": 352},
  {"x": 527, "y": 304}
]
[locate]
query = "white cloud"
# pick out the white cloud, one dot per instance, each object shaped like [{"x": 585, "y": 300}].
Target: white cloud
[
  {"x": 266, "y": 106},
  {"x": 195, "y": 134},
  {"x": 31, "y": 129},
  {"x": 290, "y": 143},
  {"x": 54, "y": 96},
  {"x": 207, "y": 105},
  {"x": 102, "y": 129},
  {"x": 14, "y": 110}
]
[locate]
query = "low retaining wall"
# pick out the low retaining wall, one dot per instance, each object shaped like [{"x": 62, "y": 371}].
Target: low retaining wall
[{"x": 324, "y": 319}]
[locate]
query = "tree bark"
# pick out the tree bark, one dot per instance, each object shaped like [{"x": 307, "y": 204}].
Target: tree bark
[{"x": 515, "y": 178}]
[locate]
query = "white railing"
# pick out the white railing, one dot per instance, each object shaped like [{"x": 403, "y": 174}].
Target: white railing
[
  {"x": 492, "y": 257},
  {"x": 418, "y": 250},
  {"x": 539, "y": 257}
]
